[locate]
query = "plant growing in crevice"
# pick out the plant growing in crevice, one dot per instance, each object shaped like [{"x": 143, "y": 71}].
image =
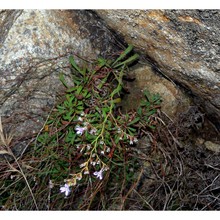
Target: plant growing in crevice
[
  {"x": 84, "y": 149},
  {"x": 88, "y": 125}
]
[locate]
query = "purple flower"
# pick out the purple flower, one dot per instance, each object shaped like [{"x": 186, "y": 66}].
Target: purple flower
[
  {"x": 99, "y": 174},
  {"x": 80, "y": 130},
  {"x": 65, "y": 189}
]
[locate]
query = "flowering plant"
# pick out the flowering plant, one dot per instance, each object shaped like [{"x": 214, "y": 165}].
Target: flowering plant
[{"x": 90, "y": 126}]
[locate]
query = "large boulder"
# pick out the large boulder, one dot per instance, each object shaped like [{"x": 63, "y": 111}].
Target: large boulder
[
  {"x": 34, "y": 49},
  {"x": 174, "y": 101},
  {"x": 183, "y": 44}
]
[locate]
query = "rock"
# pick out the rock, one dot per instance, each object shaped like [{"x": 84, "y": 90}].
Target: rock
[
  {"x": 183, "y": 44},
  {"x": 212, "y": 146},
  {"x": 34, "y": 47},
  {"x": 199, "y": 141},
  {"x": 174, "y": 101}
]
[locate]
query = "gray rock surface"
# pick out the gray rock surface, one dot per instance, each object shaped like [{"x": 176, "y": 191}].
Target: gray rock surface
[
  {"x": 212, "y": 146},
  {"x": 35, "y": 46},
  {"x": 34, "y": 49},
  {"x": 183, "y": 44},
  {"x": 174, "y": 101}
]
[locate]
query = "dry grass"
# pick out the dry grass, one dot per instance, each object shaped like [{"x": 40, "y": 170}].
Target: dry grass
[
  {"x": 169, "y": 173},
  {"x": 5, "y": 139},
  {"x": 178, "y": 174}
]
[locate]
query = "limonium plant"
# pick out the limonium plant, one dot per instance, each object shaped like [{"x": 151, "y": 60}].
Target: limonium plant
[{"x": 89, "y": 124}]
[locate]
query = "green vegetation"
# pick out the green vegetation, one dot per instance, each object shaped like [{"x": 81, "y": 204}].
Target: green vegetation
[{"x": 83, "y": 158}]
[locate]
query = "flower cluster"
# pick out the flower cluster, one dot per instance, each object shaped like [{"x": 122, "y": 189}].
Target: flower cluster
[
  {"x": 90, "y": 125},
  {"x": 92, "y": 133},
  {"x": 91, "y": 144},
  {"x": 95, "y": 142}
]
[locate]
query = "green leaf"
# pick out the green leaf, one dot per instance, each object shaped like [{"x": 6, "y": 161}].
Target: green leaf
[
  {"x": 102, "y": 82},
  {"x": 116, "y": 139},
  {"x": 71, "y": 89},
  {"x": 128, "y": 61},
  {"x": 85, "y": 92},
  {"x": 139, "y": 111},
  {"x": 60, "y": 107},
  {"x": 68, "y": 115},
  {"x": 151, "y": 127},
  {"x": 43, "y": 138},
  {"x": 73, "y": 63},
  {"x": 70, "y": 137},
  {"x": 131, "y": 129},
  {"x": 134, "y": 121},
  {"x": 88, "y": 96},
  {"x": 77, "y": 81},
  {"x": 84, "y": 70},
  {"x": 151, "y": 112},
  {"x": 61, "y": 77},
  {"x": 123, "y": 55},
  {"x": 102, "y": 62},
  {"x": 117, "y": 90},
  {"x": 70, "y": 98},
  {"x": 79, "y": 89},
  {"x": 104, "y": 111},
  {"x": 80, "y": 107}
]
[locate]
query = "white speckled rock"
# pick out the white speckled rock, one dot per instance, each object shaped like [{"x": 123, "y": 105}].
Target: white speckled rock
[
  {"x": 174, "y": 101},
  {"x": 183, "y": 44},
  {"x": 34, "y": 49}
]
